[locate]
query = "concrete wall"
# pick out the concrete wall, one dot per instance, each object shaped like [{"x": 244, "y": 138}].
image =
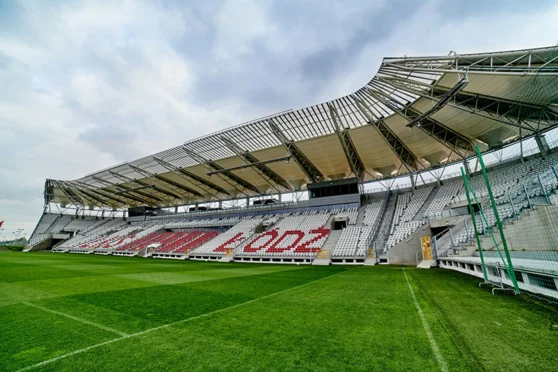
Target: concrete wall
[
  {"x": 535, "y": 230},
  {"x": 446, "y": 222},
  {"x": 405, "y": 252}
]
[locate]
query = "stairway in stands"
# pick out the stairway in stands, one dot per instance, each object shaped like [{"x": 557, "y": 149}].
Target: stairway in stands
[
  {"x": 360, "y": 216},
  {"x": 331, "y": 240},
  {"x": 420, "y": 214},
  {"x": 387, "y": 219}
]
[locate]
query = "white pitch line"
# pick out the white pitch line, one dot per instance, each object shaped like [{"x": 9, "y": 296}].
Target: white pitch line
[
  {"x": 433, "y": 344},
  {"x": 85, "y": 321},
  {"x": 48, "y": 361}
]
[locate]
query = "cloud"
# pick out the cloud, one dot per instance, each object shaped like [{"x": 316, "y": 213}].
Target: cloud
[{"x": 89, "y": 84}]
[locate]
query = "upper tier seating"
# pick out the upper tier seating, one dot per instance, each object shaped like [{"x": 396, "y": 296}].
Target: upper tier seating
[
  {"x": 81, "y": 224},
  {"x": 46, "y": 221},
  {"x": 355, "y": 241},
  {"x": 59, "y": 225},
  {"x": 415, "y": 203},
  {"x": 372, "y": 213},
  {"x": 351, "y": 213},
  {"x": 408, "y": 204},
  {"x": 444, "y": 196}
]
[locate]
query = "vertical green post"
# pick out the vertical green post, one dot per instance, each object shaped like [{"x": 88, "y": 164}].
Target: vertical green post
[
  {"x": 498, "y": 222},
  {"x": 472, "y": 211}
]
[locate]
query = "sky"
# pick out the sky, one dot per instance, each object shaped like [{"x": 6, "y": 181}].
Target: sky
[{"x": 86, "y": 85}]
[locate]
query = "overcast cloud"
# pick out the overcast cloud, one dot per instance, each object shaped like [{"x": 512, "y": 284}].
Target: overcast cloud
[{"x": 85, "y": 85}]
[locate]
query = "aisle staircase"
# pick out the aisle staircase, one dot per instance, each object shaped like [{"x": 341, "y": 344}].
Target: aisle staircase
[{"x": 420, "y": 214}]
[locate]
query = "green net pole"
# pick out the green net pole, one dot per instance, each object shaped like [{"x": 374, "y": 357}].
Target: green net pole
[
  {"x": 466, "y": 183},
  {"x": 486, "y": 228},
  {"x": 511, "y": 271}
]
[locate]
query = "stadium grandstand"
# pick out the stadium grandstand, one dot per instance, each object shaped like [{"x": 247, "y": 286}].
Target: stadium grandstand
[{"x": 357, "y": 180}]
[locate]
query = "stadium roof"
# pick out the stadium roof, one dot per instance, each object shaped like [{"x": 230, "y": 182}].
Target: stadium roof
[{"x": 416, "y": 113}]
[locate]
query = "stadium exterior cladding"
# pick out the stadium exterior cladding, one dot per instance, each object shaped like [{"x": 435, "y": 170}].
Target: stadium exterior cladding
[{"x": 414, "y": 114}]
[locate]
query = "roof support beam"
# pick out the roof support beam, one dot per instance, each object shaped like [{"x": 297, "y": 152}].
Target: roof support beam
[
  {"x": 451, "y": 93},
  {"x": 454, "y": 141},
  {"x": 169, "y": 184},
  {"x": 405, "y": 155},
  {"x": 313, "y": 173},
  {"x": 130, "y": 194},
  {"x": 196, "y": 180},
  {"x": 110, "y": 196},
  {"x": 75, "y": 199},
  {"x": 272, "y": 178},
  {"x": 532, "y": 118},
  {"x": 351, "y": 153},
  {"x": 491, "y": 65},
  {"x": 142, "y": 183},
  {"x": 88, "y": 199},
  {"x": 91, "y": 196},
  {"x": 232, "y": 179}
]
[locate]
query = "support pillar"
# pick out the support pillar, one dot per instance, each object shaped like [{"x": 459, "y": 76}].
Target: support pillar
[
  {"x": 467, "y": 169},
  {"x": 413, "y": 186},
  {"x": 542, "y": 145}
]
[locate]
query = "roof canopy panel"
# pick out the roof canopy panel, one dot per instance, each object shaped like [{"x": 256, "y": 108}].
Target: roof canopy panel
[{"x": 415, "y": 113}]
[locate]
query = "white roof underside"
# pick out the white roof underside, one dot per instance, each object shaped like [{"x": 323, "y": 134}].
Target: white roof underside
[{"x": 509, "y": 95}]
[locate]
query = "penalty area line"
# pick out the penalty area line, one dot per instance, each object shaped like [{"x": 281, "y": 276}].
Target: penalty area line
[
  {"x": 439, "y": 358},
  {"x": 48, "y": 361},
  {"x": 84, "y": 321}
]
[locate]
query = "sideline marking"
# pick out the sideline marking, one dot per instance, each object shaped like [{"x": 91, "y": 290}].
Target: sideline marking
[
  {"x": 85, "y": 321},
  {"x": 48, "y": 361},
  {"x": 433, "y": 344}
]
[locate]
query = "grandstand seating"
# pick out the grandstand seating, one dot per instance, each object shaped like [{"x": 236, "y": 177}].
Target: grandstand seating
[
  {"x": 300, "y": 235},
  {"x": 445, "y": 195},
  {"x": 231, "y": 238},
  {"x": 181, "y": 242},
  {"x": 355, "y": 241},
  {"x": 350, "y": 213},
  {"x": 82, "y": 224},
  {"x": 303, "y": 234},
  {"x": 80, "y": 243}
]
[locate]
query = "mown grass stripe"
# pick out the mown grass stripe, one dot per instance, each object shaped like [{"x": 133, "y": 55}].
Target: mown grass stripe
[
  {"x": 127, "y": 336},
  {"x": 439, "y": 358},
  {"x": 85, "y": 321}
]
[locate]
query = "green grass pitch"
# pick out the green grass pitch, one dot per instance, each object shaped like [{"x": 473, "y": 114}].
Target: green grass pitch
[{"x": 102, "y": 313}]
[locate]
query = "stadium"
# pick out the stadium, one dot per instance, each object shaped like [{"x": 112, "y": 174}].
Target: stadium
[{"x": 351, "y": 234}]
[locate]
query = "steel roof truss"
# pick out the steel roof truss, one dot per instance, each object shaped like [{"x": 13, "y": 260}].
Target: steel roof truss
[
  {"x": 196, "y": 180},
  {"x": 313, "y": 174},
  {"x": 407, "y": 158},
  {"x": 356, "y": 164},
  {"x": 170, "y": 185},
  {"x": 272, "y": 178},
  {"x": 433, "y": 128},
  {"x": 112, "y": 196},
  {"x": 147, "y": 185},
  {"x": 236, "y": 182},
  {"x": 129, "y": 193}
]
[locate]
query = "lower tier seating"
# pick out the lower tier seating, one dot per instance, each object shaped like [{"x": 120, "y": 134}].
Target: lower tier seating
[{"x": 293, "y": 236}]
